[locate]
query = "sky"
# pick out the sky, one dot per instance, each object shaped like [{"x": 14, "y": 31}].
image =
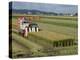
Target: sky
[{"x": 58, "y": 8}]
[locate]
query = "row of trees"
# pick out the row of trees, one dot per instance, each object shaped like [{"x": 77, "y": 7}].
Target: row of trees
[{"x": 37, "y": 12}]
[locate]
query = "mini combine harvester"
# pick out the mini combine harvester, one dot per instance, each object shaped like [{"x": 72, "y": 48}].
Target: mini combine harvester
[{"x": 25, "y": 26}]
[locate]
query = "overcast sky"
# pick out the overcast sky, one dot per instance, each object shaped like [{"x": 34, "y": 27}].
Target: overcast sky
[{"x": 59, "y": 8}]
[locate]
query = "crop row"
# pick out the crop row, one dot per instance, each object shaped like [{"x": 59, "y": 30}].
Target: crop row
[{"x": 58, "y": 23}]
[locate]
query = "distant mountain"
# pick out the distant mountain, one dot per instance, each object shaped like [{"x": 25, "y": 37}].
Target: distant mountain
[{"x": 26, "y": 11}]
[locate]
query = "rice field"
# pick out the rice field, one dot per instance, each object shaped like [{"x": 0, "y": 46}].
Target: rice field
[{"x": 54, "y": 29}]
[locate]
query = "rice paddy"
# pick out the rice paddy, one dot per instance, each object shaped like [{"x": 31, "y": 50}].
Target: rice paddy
[{"x": 54, "y": 29}]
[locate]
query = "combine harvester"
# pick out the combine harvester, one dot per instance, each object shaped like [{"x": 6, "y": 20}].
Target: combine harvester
[{"x": 26, "y": 26}]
